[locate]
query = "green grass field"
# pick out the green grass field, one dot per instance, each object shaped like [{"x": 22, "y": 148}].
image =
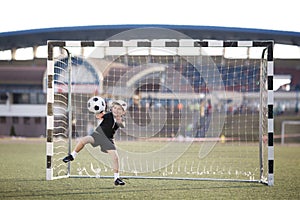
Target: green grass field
[{"x": 23, "y": 166}]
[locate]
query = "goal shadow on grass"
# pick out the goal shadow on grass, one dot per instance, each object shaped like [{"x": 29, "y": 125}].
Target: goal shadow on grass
[{"x": 33, "y": 188}]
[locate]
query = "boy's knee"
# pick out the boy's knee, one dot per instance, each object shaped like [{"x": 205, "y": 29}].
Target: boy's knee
[
  {"x": 85, "y": 140},
  {"x": 82, "y": 142},
  {"x": 114, "y": 156}
]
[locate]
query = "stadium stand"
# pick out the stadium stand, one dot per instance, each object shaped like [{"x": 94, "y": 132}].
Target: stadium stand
[{"x": 21, "y": 82}]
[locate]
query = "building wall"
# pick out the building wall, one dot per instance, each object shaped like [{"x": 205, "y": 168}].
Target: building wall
[
  {"x": 27, "y": 120},
  {"x": 23, "y": 126}
]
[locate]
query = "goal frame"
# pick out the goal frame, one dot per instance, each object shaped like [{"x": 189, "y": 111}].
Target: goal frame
[{"x": 268, "y": 44}]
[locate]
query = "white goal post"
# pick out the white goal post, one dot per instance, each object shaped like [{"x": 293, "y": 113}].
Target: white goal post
[{"x": 195, "y": 112}]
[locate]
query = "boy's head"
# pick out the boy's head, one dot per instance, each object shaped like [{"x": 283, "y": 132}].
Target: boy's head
[{"x": 119, "y": 107}]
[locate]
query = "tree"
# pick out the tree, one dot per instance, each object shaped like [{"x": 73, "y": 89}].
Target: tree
[{"x": 12, "y": 131}]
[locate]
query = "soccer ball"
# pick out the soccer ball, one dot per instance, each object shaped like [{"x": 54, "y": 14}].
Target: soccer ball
[{"x": 96, "y": 104}]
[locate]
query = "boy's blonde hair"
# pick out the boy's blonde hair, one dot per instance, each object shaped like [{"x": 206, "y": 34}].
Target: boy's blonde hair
[{"x": 121, "y": 103}]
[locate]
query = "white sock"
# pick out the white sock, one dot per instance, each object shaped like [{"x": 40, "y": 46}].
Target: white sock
[
  {"x": 74, "y": 154},
  {"x": 116, "y": 175}
]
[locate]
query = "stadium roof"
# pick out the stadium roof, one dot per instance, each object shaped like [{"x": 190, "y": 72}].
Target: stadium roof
[{"x": 39, "y": 37}]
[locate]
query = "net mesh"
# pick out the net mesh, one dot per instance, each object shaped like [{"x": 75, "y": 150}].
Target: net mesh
[{"x": 198, "y": 114}]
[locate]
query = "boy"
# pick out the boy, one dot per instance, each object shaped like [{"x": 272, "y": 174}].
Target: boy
[{"x": 103, "y": 136}]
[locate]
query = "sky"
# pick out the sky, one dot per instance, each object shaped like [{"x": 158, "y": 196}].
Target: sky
[{"x": 18, "y": 15}]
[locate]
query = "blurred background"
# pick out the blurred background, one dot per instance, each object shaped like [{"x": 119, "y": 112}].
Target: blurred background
[{"x": 30, "y": 24}]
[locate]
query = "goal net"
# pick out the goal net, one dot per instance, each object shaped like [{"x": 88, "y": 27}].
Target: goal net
[{"x": 197, "y": 110}]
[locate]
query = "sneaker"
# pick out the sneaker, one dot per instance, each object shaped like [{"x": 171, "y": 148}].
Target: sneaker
[
  {"x": 119, "y": 182},
  {"x": 68, "y": 158}
]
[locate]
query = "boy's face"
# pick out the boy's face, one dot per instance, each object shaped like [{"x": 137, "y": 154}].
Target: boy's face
[{"x": 117, "y": 110}]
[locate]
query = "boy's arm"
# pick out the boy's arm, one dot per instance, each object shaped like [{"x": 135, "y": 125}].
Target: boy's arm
[{"x": 99, "y": 115}]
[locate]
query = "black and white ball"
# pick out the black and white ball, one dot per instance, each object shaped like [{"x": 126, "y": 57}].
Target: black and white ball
[{"x": 96, "y": 104}]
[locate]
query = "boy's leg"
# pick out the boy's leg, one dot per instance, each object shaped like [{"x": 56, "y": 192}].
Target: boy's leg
[
  {"x": 115, "y": 158},
  {"x": 79, "y": 146},
  {"x": 82, "y": 142}
]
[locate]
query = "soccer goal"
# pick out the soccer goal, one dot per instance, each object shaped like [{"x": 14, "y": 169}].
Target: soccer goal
[{"x": 197, "y": 109}]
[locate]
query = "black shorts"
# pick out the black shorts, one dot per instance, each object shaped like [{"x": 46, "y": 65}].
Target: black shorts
[{"x": 103, "y": 141}]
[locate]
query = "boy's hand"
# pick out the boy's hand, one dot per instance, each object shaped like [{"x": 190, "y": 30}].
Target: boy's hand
[
  {"x": 119, "y": 120},
  {"x": 100, "y": 115}
]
